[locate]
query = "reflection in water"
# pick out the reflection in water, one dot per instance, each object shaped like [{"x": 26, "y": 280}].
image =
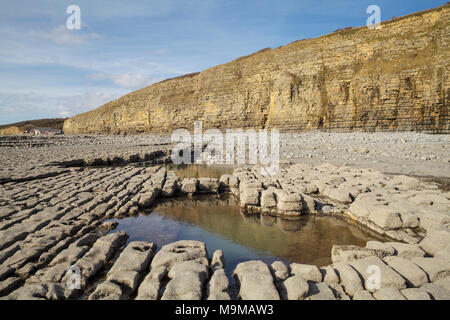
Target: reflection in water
[
  {"x": 200, "y": 170},
  {"x": 219, "y": 223}
]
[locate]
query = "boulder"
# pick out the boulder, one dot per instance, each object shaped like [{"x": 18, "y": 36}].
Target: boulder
[
  {"x": 319, "y": 291},
  {"x": 217, "y": 260},
  {"x": 436, "y": 268},
  {"x": 182, "y": 250},
  {"x": 348, "y": 253},
  {"x": 189, "y": 185},
  {"x": 268, "y": 199},
  {"x": 249, "y": 196},
  {"x": 389, "y": 293},
  {"x": 363, "y": 295},
  {"x": 414, "y": 276},
  {"x": 385, "y": 217},
  {"x": 149, "y": 288},
  {"x": 437, "y": 292},
  {"x": 294, "y": 288},
  {"x": 306, "y": 271},
  {"x": 415, "y": 294},
  {"x": 208, "y": 185},
  {"x": 437, "y": 239},
  {"x": 349, "y": 278},
  {"x": 279, "y": 270},
  {"x": 329, "y": 275},
  {"x": 387, "y": 277},
  {"x": 256, "y": 282},
  {"x": 406, "y": 250}
]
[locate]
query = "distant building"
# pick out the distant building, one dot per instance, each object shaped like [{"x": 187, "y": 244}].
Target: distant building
[{"x": 45, "y": 131}]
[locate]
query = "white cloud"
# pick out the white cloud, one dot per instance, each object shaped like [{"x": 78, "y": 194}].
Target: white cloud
[
  {"x": 132, "y": 81},
  {"x": 72, "y": 105},
  {"x": 17, "y": 106},
  {"x": 162, "y": 51},
  {"x": 61, "y": 35},
  {"x": 127, "y": 80}
]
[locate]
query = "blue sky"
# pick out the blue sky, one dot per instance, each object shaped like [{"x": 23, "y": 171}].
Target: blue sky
[{"x": 49, "y": 71}]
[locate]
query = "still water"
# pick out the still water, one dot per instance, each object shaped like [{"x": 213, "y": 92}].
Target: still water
[
  {"x": 219, "y": 222},
  {"x": 200, "y": 170}
]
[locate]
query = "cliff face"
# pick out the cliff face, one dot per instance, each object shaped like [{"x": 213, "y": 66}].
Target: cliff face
[{"x": 394, "y": 78}]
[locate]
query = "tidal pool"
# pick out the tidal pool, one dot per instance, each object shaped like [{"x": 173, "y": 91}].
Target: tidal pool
[
  {"x": 200, "y": 170},
  {"x": 219, "y": 222}
]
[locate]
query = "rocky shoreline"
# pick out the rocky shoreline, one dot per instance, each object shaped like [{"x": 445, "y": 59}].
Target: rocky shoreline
[{"x": 54, "y": 216}]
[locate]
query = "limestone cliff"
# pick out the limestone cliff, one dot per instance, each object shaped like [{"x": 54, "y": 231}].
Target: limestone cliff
[{"x": 393, "y": 78}]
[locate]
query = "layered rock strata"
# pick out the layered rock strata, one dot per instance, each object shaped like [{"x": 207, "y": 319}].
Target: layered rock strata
[{"x": 393, "y": 78}]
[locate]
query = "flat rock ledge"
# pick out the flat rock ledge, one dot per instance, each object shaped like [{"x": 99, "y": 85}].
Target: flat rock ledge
[{"x": 55, "y": 243}]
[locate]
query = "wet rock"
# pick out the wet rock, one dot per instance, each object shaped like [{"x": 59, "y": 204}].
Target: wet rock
[
  {"x": 170, "y": 186},
  {"x": 309, "y": 204},
  {"x": 268, "y": 199},
  {"x": 208, "y": 185},
  {"x": 224, "y": 181},
  {"x": 289, "y": 201},
  {"x": 249, "y": 196},
  {"x": 189, "y": 185}
]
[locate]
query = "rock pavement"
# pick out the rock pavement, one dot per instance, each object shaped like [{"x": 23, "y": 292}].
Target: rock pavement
[{"x": 55, "y": 242}]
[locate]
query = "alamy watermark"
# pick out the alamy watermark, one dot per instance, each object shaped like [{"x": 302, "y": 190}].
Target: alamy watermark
[
  {"x": 373, "y": 282},
  {"x": 374, "y": 20},
  {"x": 73, "y": 22},
  {"x": 215, "y": 147},
  {"x": 73, "y": 281}
]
